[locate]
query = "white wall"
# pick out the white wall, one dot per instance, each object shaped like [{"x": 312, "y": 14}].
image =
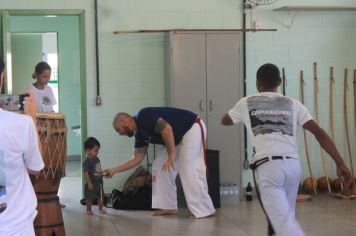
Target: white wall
[
  {"x": 327, "y": 38},
  {"x": 132, "y": 66}
]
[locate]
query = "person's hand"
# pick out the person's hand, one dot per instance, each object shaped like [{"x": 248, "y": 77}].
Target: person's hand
[
  {"x": 30, "y": 106},
  {"x": 344, "y": 175},
  {"x": 104, "y": 173},
  {"x": 168, "y": 164},
  {"x": 108, "y": 173},
  {"x": 90, "y": 186}
]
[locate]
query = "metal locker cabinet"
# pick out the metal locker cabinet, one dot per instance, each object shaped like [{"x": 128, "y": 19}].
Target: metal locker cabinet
[
  {"x": 205, "y": 77},
  {"x": 188, "y": 72}
]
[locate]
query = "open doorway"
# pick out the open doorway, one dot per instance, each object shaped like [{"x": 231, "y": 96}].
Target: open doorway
[
  {"x": 59, "y": 40},
  {"x": 27, "y": 49}
]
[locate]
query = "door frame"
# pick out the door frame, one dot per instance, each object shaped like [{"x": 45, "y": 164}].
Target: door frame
[{"x": 5, "y": 13}]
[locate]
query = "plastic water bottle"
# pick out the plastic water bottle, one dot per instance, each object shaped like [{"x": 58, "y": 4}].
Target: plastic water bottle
[
  {"x": 224, "y": 193},
  {"x": 230, "y": 193},
  {"x": 249, "y": 192},
  {"x": 235, "y": 195},
  {"x": 222, "y": 200},
  {"x": 231, "y": 189}
]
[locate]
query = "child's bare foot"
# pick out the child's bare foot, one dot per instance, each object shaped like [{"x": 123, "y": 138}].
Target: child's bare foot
[
  {"x": 164, "y": 212},
  {"x": 101, "y": 211},
  {"x": 89, "y": 213}
]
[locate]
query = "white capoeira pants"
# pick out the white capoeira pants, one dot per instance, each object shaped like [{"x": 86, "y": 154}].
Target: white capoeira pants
[
  {"x": 190, "y": 165},
  {"x": 278, "y": 182}
]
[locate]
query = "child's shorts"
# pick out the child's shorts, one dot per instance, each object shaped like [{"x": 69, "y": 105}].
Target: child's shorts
[{"x": 92, "y": 194}]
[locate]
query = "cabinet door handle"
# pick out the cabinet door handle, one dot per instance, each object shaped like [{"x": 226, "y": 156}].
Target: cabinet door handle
[
  {"x": 201, "y": 105},
  {"x": 210, "y": 105}
]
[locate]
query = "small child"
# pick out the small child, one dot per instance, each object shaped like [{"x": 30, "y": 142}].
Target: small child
[{"x": 93, "y": 175}]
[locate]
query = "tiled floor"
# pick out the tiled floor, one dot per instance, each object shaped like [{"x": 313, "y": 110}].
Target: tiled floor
[{"x": 323, "y": 216}]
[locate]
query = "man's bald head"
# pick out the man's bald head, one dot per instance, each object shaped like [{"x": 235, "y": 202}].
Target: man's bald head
[{"x": 124, "y": 124}]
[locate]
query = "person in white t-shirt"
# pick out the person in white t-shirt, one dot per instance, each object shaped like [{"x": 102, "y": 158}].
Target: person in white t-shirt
[
  {"x": 44, "y": 94},
  {"x": 19, "y": 153},
  {"x": 271, "y": 120}
]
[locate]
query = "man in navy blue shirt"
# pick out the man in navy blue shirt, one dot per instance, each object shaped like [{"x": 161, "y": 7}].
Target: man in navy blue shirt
[{"x": 181, "y": 133}]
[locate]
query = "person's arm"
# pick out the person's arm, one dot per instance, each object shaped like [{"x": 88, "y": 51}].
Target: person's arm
[
  {"x": 137, "y": 158},
  {"x": 329, "y": 146},
  {"x": 165, "y": 129},
  {"x": 226, "y": 120},
  {"x": 30, "y": 106},
  {"x": 236, "y": 114},
  {"x": 88, "y": 181},
  {"x": 32, "y": 156}
]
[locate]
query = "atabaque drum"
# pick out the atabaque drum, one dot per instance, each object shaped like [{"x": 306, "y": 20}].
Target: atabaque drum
[{"x": 52, "y": 134}]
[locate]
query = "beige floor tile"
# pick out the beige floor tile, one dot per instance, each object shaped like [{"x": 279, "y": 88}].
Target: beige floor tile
[{"x": 323, "y": 216}]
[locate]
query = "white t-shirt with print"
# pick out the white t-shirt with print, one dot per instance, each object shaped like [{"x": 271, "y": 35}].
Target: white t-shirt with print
[
  {"x": 18, "y": 152},
  {"x": 45, "y": 98},
  {"x": 271, "y": 120}
]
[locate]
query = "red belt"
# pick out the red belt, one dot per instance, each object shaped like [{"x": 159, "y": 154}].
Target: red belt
[{"x": 198, "y": 121}]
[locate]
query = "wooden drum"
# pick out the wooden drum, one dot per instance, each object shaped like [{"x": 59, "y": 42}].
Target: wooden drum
[{"x": 52, "y": 134}]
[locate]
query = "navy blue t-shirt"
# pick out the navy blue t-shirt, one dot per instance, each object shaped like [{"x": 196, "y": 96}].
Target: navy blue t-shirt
[{"x": 146, "y": 119}]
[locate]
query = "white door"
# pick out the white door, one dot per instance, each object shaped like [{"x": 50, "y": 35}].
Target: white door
[
  {"x": 206, "y": 79},
  {"x": 224, "y": 88},
  {"x": 188, "y": 72}
]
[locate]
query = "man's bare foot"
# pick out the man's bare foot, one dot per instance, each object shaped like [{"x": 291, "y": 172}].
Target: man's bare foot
[
  {"x": 194, "y": 217},
  {"x": 101, "y": 211},
  {"x": 162, "y": 212},
  {"x": 89, "y": 213}
]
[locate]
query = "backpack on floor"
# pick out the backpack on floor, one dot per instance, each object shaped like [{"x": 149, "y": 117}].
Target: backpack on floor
[{"x": 136, "y": 194}]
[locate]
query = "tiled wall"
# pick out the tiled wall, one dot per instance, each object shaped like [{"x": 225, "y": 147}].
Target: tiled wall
[
  {"x": 132, "y": 66},
  {"x": 323, "y": 37}
]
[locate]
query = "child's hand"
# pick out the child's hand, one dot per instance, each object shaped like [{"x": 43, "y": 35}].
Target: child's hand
[{"x": 90, "y": 186}]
